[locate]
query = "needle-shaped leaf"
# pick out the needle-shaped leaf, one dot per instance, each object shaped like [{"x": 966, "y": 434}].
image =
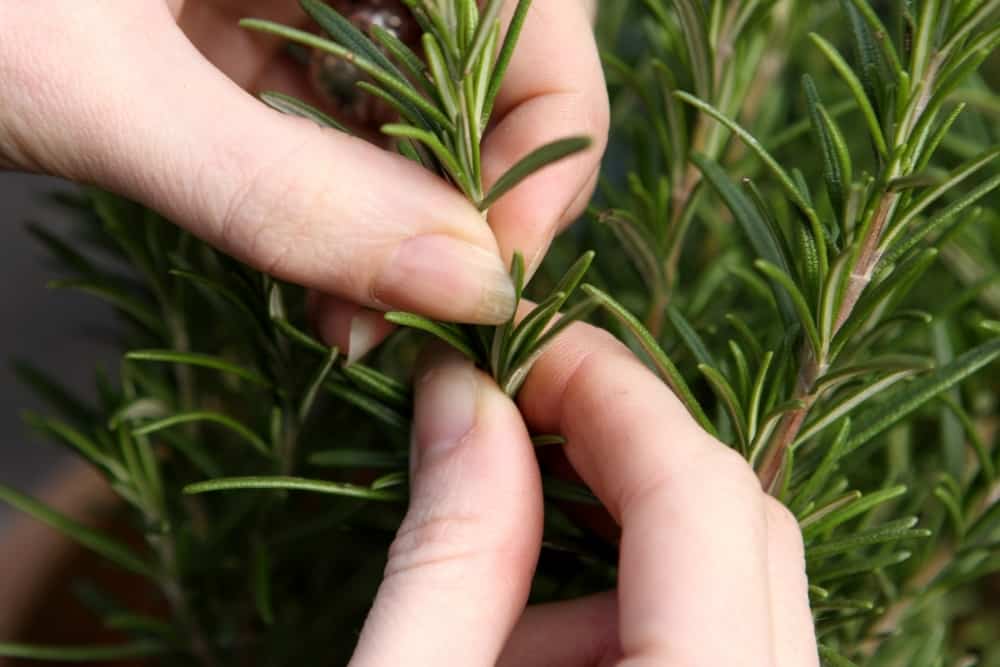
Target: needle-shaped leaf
[
  {"x": 864, "y": 565},
  {"x": 872, "y": 60},
  {"x": 466, "y": 19},
  {"x": 391, "y": 480},
  {"x": 690, "y": 337},
  {"x": 894, "y": 531},
  {"x": 984, "y": 526},
  {"x": 949, "y": 496},
  {"x": 499, "y": 348},
  {"x": 791, "y": 189},
  {"x": 83, "y": 444},
  {"x": 547, "y": 440},
  {"x": 379, "y": 385},
  {"x": 292, "y": 484},
  {"x": 531, "y": 327},
  {"x": 896, "y": 405},
  {"x": 882, "y": 364},
  {"x": 53, "y": 393},
  {"x": 821, "y": 474},
  {"x": 503, "y": 58},
  {"x": 486, "y": 25},
  {"x": 694, "y": 31},
  {"x": 216, "y": 288},
  {"x": 97, "y": 542},
  {"x": 298, "y": 336},
  {"x": 261, "y": 574},
  {"x": 984, "y": 11},
  {"x": 926, "y": 150},
  {"x": 449, "y": 333},
  {"x": 859, "y": 505},
  {"x": 574, "y": 274},
  {"x": 946, "y": 186},
  {"x": 296, "y": 107},
  {"x": 531, "y": 163},
  {"x": 637, "y": 243},
  {"x": 319, "y": 377},
  {"x": 347, "y": 34},
  {"x": 664, "y": 366},
  {"x": 805, "y": 316},
  {"x": 198, "y": 360},
  {"x": 760, "y": 234},
  {"x": 866, "y": 40},
  {"x": 119, "y": 297},
  {"x": 832, "y": 658},
  {"x": 851, "y": 402},
  {"x": 89, "y": 654},
  {"x": 443, "y": 155},
  {"x": 837, "y": 168},
  {"x": 367, "y": 403},
  {"x": 896, "y": 244},
  {"x": 182, "y": 418},
  {"x": 444, "y": 84},
  {"x": 404, "y": 55},
  {"x": 67, "y": 256},
  {"x": 519, "y": 367},
  {"x": 857, "y": 89},
  {"x": 727, "y": 395}
]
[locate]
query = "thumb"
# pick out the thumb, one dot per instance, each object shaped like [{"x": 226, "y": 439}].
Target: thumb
[
  {"x": 148, "y": 116},
  {"x": 460, "y": 568}
]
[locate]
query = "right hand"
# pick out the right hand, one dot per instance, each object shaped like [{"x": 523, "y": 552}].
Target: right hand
[{"x": 711, "y": 568}]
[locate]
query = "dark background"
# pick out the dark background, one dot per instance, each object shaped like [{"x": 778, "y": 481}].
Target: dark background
[{"x": 52, "y": 329}]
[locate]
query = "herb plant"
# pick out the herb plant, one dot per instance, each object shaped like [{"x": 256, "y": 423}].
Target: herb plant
[{"x": 798, "y": 228}]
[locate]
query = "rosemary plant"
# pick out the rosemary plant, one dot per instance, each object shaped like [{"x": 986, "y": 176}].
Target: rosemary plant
[{"x": 799, "y": 230}]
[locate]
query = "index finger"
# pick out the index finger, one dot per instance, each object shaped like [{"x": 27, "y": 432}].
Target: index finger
[
  {"x": 554, "y": 89},
  {"x": 693, "y": 554}
]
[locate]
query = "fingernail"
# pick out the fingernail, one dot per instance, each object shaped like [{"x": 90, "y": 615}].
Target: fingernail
[
  {"x": 447, "y": 394},
  {"x": 446, "y": 278},
  {"x": 363, "y": 334}
]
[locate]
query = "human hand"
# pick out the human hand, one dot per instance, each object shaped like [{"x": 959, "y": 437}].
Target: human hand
[
  {"x": 147, "y": 98},
  {"x": 711, "y": 568}
]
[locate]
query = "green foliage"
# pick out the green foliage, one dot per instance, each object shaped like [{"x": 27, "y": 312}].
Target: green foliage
[
  {"x": 799, "y": 229},
  {"x": 446, "y": 101}
]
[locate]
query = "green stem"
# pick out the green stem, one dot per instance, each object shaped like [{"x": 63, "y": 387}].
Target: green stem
[{"x": 812, "y": 369}]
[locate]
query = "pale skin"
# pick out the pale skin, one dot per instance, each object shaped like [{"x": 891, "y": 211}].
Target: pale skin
[
  {"x": 149, "y": 98},
  {"x": 711, "y": 569}
]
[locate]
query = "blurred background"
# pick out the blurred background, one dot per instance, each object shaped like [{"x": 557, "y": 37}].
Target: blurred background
[{"x": 55, "y": 330}]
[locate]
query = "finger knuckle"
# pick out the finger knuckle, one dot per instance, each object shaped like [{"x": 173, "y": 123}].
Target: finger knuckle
[
  {"x": 783, "y": 529},
  {"x": 263, "y": 216},
  {"x": 435, "y": 542},
  {"x": 730, "y": 468}
]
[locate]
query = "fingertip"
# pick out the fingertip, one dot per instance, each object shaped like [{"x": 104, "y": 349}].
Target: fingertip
[
  {"x": 459, "y": 570},
  {"x": 445, "y": 278}
]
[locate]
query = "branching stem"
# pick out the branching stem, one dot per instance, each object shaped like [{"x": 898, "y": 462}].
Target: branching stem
[
  {"x": 860, "y": 277},
  {"x": 812, "y": 369}
]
